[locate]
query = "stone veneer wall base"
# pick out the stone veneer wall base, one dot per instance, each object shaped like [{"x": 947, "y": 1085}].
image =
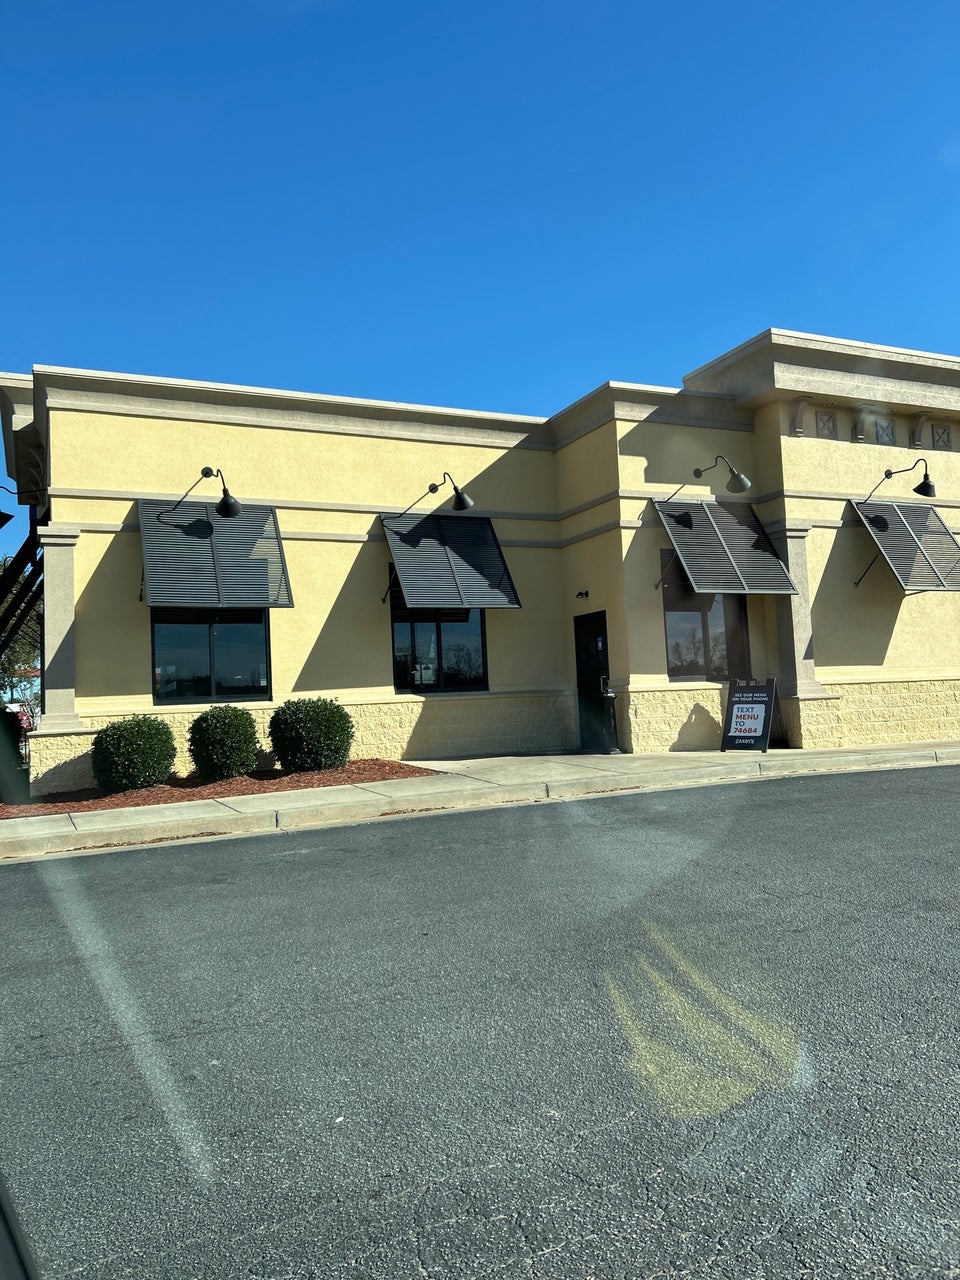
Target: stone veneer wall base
[
  {"x": 681, "y": 718},
  {"x": 882, "y": 712},
  {"x": 871, "y": 713}
]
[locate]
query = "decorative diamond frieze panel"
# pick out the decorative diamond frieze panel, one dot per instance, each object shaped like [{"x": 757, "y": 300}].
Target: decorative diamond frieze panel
[
  {"x": 941, "y": 437},
  {"x": 886, "y": 431},
  {"x": 826, "y": 425}
]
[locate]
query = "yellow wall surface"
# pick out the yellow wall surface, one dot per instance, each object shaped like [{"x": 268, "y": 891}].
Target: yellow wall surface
[
  {"x": 586, "y": 468},
  {"x": 656, "y": 455},
  {"x": 661, "y": 455},
  {"x": 762, "y": 636},
  {"x": 337, "y": 638},
  {"x": 112, "y": 633},
  {"x": 862, "y": 631},
  {"x": 644, "y": 600},
  {"x": 525, "y": 646},
  {"x": 595, "y": 565},
  {"x": 109, "y": 452},
  {"x": 767, "y": 454}
]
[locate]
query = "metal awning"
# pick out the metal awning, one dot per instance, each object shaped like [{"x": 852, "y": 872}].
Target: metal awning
[
  {"x": 449, "y": 562},
  {"x": 915, "y": 543},
  {"x": 724, "y": 548},
  {"x": 193, "y": 558}
]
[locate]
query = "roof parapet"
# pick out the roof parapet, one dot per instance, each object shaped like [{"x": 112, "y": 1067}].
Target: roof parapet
[{"x": 779, "y": 364}]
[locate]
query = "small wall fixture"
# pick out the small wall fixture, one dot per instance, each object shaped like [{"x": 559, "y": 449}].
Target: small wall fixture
[
  {"x": 461, "y": 499},
  {"x": 737, "y": 483},
  {"x": 227, "y": 507},
  {"x": 925, "y": 488},
  {"x": 583, "y": 595}
]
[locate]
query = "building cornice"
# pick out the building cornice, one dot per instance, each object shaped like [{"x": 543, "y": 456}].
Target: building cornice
[
  {"x": 779, "y": 364},
  {"x": 177, "y": 399},
  {"x": 16, "y": 411},
  {"x": 18, "y": 386},
  {"x": 634, "y": 402},
  {"x": 137, "y": 395}
]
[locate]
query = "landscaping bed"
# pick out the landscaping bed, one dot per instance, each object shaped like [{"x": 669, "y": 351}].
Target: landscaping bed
[{"x": 191, "y": 788}]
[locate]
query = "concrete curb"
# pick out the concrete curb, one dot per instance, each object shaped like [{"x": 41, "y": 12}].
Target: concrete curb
[{"x": 457, "y": 788}]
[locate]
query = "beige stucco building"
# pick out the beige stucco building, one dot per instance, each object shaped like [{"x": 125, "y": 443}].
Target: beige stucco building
[{"x": 569, "y": 574}]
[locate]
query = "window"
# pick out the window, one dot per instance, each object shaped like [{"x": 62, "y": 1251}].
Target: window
[
  {"x": 706, "y": 634},
  {"x": 210, "y": 655},
  {"x": 437, "y": 650}
]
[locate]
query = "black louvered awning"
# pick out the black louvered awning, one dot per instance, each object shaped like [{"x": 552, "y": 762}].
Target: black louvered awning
[
  {"x": 724, "y": 548},
  {"x": 194, "y": 559},
  {"x": 915, "y": 542},
  {"x": 449, "y": 562}
]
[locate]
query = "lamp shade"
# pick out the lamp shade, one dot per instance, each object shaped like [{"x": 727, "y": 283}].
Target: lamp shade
[{"x": 228, "y": 506}]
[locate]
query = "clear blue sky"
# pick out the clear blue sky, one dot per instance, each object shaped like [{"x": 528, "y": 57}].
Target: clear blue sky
[{"x": 496, "y": 205}]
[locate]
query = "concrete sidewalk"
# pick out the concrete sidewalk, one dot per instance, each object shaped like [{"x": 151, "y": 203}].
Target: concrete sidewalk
[{"x": 458, "y": 784}]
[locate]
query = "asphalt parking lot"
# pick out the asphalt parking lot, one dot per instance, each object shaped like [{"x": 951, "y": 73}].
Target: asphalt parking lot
[{"x": 706, "y": 1032}]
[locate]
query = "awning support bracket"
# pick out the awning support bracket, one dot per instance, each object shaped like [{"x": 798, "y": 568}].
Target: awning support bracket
[
  {"x": 867, "y": 569},
  {"x": 670, "y": 563},
  {"x": 390, "y": 580}
]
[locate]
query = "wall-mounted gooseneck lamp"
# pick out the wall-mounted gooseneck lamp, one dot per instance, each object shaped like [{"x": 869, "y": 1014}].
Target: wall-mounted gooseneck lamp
[
  {"x": 737, "y": 482},
  {"x": 227, "y": 507},
  {"x": 461, "y": 499},
  {"x": 925, "y": 488}
]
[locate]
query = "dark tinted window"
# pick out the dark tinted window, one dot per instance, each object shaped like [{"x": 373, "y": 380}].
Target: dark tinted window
[
  {"x": 200, "y": 654},
  {"x": 706, "y": 634},
  {"x": 437, "y": 649}
]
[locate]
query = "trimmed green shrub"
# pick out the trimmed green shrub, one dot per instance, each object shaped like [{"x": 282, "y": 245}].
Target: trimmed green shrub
[
  {"x": 134, "y": 753},
  {"x": 223, "y": 743},
  {"x": 311, "y": 733}
]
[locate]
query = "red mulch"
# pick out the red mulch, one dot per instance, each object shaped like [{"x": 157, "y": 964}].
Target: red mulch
[{"x": 191, "y": 788}]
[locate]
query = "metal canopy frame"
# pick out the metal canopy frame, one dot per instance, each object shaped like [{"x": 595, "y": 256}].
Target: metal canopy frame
[
  {"x": 193, "y": 558},
  {"x": 724, "y": 548},
  {"x": 449, "y": 562},
  {"x": 915, "y": 542}
]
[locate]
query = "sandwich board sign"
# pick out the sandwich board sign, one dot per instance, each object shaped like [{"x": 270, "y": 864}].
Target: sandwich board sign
[{"x": 749, "y": 716}]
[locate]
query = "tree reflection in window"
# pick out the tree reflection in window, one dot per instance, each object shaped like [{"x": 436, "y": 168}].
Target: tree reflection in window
[
  {"x": 436, "y": 650},
  {"x": 706, "y": 635}
]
